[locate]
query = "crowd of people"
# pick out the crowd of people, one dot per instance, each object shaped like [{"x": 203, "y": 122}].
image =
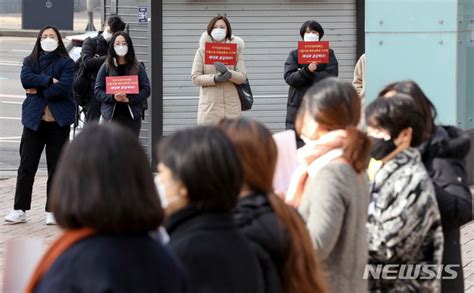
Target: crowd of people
[{"x": 393, "y": 192}]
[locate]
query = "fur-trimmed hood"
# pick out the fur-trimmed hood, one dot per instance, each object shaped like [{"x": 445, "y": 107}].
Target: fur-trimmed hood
[{"x": 205, "y": 38}]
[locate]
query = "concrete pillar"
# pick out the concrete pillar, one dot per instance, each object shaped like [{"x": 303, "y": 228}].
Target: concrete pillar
[{"x": 430, "y": 42}]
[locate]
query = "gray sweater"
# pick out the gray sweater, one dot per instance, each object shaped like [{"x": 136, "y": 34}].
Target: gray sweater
[{"x": 334, "y": 206}]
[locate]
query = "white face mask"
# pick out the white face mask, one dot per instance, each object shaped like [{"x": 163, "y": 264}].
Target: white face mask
[
  {"x": 121, "y": 50},
  {"x": 308, "y": 130},
  {"x": 107, "y": 36},
  {"x": 165, "y": 201},
  {"x": 218, "y": 34},
  {"x": 49, "y": 44},
  {"x": 311, "y": 37}
]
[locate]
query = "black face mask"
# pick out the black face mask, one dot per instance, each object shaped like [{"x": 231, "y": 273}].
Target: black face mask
[{"x": 381, "y": 148}]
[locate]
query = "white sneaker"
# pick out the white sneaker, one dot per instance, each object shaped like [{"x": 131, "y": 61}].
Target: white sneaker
[
  {"x": 16, "y": 216},
  {"x": 50, "y": 220}
]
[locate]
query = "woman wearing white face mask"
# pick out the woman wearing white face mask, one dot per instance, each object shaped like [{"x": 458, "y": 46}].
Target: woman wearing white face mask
[
  {"x": 300, "y": 77},
  {"x": 218, "y": 97},
  {"x": 126, "y": 109},
  {"x": 48, "y": 111},
  {"x": 93, "y": 54}
]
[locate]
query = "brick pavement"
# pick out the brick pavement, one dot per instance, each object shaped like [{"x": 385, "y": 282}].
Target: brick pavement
[{"x": 36, "y": 228}]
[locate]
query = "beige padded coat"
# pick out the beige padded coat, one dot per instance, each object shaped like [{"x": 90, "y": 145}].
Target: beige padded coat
[{"x": 217, "y": 101}]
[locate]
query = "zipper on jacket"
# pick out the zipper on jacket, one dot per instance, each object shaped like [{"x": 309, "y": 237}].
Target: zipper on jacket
[
  {"x": 113, "y": 112},
  {"x": 131, "y": 112}
]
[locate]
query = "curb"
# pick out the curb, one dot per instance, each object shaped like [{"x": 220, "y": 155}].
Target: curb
[
  {"x": 32, "y": 33},
  {"x": 7, "y": 174}
]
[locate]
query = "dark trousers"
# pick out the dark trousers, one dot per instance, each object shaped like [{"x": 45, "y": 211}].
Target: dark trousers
[
  {"x": 128, "y": 122},
  {"x": 51, "y": 135},
  {"x": 92, "y": 109}
]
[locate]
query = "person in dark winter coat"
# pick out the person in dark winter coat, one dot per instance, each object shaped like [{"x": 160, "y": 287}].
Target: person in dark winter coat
[
  {"x": 200, "y": 176},
  {"x": 300, "y": 77},
  {"x": 47, "y": 75},
  {"x": 126, "y": 109},
  {"x": 276, "y": 231},
  {"x": 443, "y": 154},
  {"x": 106, "y": 245},
  {"x": 94, "y": 53}
]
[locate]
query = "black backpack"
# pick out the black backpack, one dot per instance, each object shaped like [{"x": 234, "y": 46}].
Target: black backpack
[{"x": 81, "y": 87}]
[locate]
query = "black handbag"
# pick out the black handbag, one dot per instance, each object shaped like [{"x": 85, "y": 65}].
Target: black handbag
[{"x": 245, "y": 95}]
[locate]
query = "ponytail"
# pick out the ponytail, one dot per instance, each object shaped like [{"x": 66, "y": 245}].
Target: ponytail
[
  {"x": 357, "y": 148},
  {"x": 302, "y": 271}
]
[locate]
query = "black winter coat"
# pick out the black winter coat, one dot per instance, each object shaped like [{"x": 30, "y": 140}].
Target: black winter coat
[
  {"x": 115, "y": 263},
  {"x": 300, "y": 79},
  {"x": 256, "y": 220},
  {"x": 216, "y": 256},
  {"x": 94, "y": 53},
  {"x": 443, "y": 156}
]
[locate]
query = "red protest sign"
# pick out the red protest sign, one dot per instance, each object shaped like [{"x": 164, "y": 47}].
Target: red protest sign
[
  {"x": 220, "y": 52},
  {"x": 309, "y": 52},
  {"x": 127, "y": 84}
]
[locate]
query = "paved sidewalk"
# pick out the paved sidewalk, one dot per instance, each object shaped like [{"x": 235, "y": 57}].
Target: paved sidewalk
[{"x": 36, "y": 228}]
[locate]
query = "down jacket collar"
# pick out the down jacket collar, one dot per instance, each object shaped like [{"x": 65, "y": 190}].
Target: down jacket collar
[{"x": 205, "y": 38}]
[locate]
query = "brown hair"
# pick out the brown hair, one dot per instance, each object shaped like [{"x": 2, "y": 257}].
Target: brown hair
[
  {"x": 424, "y": 104},
  {"x": 213, "y": 21},
  {"x": 334, "y": 104},
  {"x": 108, "y": 188},
  {"x": 301, "y": 271}
]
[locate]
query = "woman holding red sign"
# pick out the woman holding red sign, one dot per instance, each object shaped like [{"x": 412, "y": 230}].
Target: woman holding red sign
[
  {"x": 300, "y": 77},
  {"x": 218, "y": 97},
  {"x": 124, "y": 108}
]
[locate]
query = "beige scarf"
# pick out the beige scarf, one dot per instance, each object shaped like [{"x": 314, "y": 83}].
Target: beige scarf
[{"x": 319, "y": 152}]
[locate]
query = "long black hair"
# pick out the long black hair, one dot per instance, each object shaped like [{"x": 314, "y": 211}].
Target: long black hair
[
  {"x": 37, "y": 50},
  {"x": 112, "y": 57}
]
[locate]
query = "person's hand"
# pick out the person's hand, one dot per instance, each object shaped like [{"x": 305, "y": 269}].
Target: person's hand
[
  {"x": 220, "y": 67},
  {"x": 31, "y": 91},
  {"x": 55, "y": 80},
  {"x": 313, "y": 67},
  {"x": 121, "y": 97},
  {"x": 222, "y": 77}
]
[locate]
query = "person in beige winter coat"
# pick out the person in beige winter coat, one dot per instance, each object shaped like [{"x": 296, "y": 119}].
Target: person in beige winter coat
[
  {"x": 218, "y": 97},
  {"x": 359, "y": 84},
  {"x": 359, "y": 78}
]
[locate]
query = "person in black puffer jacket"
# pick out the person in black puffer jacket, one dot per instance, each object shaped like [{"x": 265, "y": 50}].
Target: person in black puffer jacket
[
  {"x": 276, "y": 232},
  {"x": 443, "y": 154},
  {"x": 94, "y": 53},
  {"x": 300, "y": 77}
]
